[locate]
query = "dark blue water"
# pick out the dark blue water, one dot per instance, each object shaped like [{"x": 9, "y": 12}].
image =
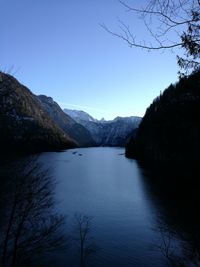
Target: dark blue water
[{"x": 103, "y": 183}]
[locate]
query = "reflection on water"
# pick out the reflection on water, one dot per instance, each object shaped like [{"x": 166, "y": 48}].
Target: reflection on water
[
  {"x": 28, "y": 228},
  {"x": 138, "y": 218},
  {"x": 174, "y": 190}
]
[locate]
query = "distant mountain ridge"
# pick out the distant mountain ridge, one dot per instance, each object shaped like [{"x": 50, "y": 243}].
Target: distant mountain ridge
[
  {"x": 30, "y": 123},
  {"x": 79, "y": 115},
  {"x": 106, "y": 133},
  {"x": 66, "y": 123},
  {"x": 24, "y": 124}
]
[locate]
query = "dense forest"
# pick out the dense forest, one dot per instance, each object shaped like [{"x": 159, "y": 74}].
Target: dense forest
[
  {"x": 170, "y": 129},
  {"x": 24, "y": 124}
]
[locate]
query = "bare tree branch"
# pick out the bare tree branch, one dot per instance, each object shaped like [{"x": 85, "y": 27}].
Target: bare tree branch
[
  {"x": 164, "y": 18},
  {"x": 83, "y": 227},
  {"x": 156, "y": 13},
  {"x": 139, "y": 45},
  {"x": 29, "y": 227}
]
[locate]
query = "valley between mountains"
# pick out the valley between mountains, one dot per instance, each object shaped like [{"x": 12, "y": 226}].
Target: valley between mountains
[{"x": 37, "y": 123}]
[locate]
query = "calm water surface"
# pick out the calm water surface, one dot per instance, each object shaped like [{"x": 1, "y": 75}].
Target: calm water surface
[{"x": 102, "y": 183}]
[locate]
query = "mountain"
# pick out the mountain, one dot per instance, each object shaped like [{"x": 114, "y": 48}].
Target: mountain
[
  {"x": 79, "y": 115},
  {"x": 106, "y": 133},
  {"x": 66, "y": 123},
  {"x": 25, "y": 125},
  {"x": 170, "y": 129}
]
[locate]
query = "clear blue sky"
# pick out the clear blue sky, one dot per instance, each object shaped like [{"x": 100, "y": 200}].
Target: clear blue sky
[{"x": 58, "y": 49}]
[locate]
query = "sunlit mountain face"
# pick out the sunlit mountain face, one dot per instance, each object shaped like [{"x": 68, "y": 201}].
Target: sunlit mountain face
[{"x": 106, "y": 133}]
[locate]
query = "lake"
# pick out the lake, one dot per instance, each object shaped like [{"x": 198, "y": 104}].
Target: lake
[{"x": 128, "y": 216}]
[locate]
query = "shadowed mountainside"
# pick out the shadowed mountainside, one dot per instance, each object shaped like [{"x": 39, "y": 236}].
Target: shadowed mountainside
[
  {"x": 106, "y": 133},
  {"x": 25, "y": 126},
  {"x": 170, "y": 129},
  {"x": 66, "y": 123}
]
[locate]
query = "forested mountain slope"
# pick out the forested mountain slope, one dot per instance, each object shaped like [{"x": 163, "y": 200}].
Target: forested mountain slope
[
  {"x": 25, "y": 126},
  {"x": 170, "y": 129}
]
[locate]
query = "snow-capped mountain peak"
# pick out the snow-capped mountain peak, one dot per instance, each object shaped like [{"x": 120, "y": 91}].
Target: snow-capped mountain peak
[{"x": 106, "y": 133}]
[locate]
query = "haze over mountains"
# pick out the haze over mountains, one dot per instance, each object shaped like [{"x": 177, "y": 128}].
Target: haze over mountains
[
  {"x": 106, "y": 133},
  {"x": 66, "y": 123},
  {"x": 30, "y": 123}
]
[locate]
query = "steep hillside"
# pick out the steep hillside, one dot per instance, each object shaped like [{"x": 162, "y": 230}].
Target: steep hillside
[
  {"x": 106, "y": 133},
  {"x": 66, "y": 123},
  {"x": 24, "y": 124},
  {"x": 79, "y": 115},
  {"x": 170, "y": 129}
]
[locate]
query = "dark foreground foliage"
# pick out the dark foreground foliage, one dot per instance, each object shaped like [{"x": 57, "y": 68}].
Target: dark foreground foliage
[
  {"x": 170, "y": 129},
  {"x": 25, "y": 126},
  {"x": 30, "y": 231}
]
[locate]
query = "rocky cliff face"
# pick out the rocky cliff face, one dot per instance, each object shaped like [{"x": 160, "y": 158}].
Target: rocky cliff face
[
  {"x": 66, "y": 123},
  {"x": 79, "y": 115},
  {"x": 170, "y": 129},
  {"x": 106, "y": 133},
  {"x": 25, "y": 125}
]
